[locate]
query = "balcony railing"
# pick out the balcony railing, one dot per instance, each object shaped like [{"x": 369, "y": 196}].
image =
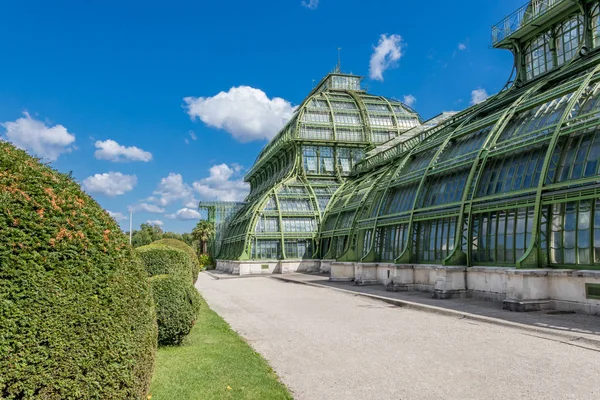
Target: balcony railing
[{"x": 524, "y": 15}]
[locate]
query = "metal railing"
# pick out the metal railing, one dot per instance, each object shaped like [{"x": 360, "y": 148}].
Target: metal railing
[{"x": 524, "y": 15}]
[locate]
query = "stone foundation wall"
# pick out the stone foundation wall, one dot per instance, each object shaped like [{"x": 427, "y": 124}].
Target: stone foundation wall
[
  {"x": 519, "y": 289},
  {"x": 267, "y": 267}
]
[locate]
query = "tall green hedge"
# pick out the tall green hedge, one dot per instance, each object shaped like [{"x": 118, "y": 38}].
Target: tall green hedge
[
  {"x": 161, "y": 260},
  {"x": 178, "y": 244},
  {"x": 77, "y": 318},
  {"x": 177, "y": 305}
]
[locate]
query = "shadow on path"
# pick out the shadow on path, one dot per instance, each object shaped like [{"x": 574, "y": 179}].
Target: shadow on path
[{"x": 559, "y": 321}]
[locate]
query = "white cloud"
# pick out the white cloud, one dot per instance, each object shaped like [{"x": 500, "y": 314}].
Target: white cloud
[
  {"x": 462, "y": 46},
  {"x": 110, "y": 183},
  {"x": 478, "y": 96},
  {"x": 113, "y": 151},
  {"x": 409, "y": 100},
  {"x": 193, "y": 203},
  {"x": 185, "y": 214},
  {"x": 47, "y": 142},
  {"x": 385, "y": 55},
  {"x": 246, "y": 113},
  {"x": 145, "y": 207},
  {"x": 118, "y": 216},
  {"x": 223, "y": 184},
  {"x": 312, "y": 4},
  {"x": 171, "y": 189},
  {"x": 156, "y": 222}
]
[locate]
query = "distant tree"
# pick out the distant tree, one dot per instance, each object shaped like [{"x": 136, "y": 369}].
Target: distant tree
[
  {"x": 171, "y": 235},
  {"x": 151, "y": 233},
  {"x": 203, "y": 233},
  {"x": 146, "y": 235},
  {"x": 189, "y": 240},
  {"x": 140, "y": 238}
]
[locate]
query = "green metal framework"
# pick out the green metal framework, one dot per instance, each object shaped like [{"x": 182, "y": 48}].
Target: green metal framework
[
  {"x": 296, "y": 174},
  {"x": 513, "y": 181},
  {"x": 220, "y": 214}
]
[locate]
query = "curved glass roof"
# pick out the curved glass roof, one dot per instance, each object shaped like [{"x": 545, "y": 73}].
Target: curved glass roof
[
  {"x": 490, "y": 185},
  {"x": 512, "y": 181},
  {"x": 296, "y": 174}
]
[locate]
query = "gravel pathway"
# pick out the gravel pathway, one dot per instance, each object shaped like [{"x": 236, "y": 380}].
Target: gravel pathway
[{"x": 330, "y": 345}]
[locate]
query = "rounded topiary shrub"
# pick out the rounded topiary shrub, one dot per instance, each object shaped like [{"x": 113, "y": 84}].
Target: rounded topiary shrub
[
  {"x": 77, "y": 318},
  {"x": 177, "y": 305},
  {"x": 166, "y": 260},
  {"x": 178, "y": 244}
]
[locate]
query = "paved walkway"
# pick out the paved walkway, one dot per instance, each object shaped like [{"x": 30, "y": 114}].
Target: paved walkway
[
  {"x": 325, "y": 344},
  {"x": 570, "y": 325}
]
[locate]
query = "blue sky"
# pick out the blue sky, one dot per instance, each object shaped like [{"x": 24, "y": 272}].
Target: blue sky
[{"x": 141, "y": 100}]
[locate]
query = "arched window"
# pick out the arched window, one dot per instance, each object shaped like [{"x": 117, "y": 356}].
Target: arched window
[
  {"x": 538, "y": 56},
  {"x": 568, "y": 37},
  {"x": 596, "y": 24}
]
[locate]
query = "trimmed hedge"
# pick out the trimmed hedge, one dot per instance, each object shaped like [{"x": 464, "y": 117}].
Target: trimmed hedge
[
  {"x": 181, "y": 245},
  {"x": 166, "y": 260},
  {"x": 177, "y": 306},
  {"x": 77, "y": 318}
]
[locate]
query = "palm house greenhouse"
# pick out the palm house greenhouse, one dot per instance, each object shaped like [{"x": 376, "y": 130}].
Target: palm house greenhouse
[{"x": 500, "y": 201}]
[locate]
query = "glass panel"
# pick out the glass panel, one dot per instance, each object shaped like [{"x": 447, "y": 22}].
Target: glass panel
[
  {"x": 436, "y": 239},
  {"x": 347, "y": 119},
  {"x": 292, "y": 190},
  {"x": 381, "y": 120},
  {"x": 312, "y": 132},
  {"x": 299, "y": 224},
  {"x": 295, "y": 205},
  {"x": 382, "y": 136},
  {"x": 327, "y": 160},
  {"x": 597, "y": 232},
  {"x": 444, "y": 189},
  {"x": 501, "y": 237},
  {"x": 539, "y": 119},
  {"x": 580, "y": 159},
  {"x": 538, "y": 57},
  {"x": 267, "y": 224},
  {"x": 265, "y": 249},
  {"x": 568, "y": 37},
  {"x": 323, "y": 202},
  {"x": 596, "y": 25},
  {"x": 343, "y": 105},
  {"x": 407, "y": 122},
  {"x": 377, "y": 107},
  {"x": 309, "y": 154},
  {"x": 350, "y": 135},
  {"x": 465, "y": 144},
  {"x": 344, "y": 82},
  {"x": 345, "y": 161},
  {"x": 345, "y": 220},
  {"x": 270, "y": 204},
  {"x": 499, "y": 174},
  {"x": 366, "y": 247},
  {"x": 298, "y": 248},
  {"x": 584, "y": 232},
  {"x": 399, "y": 199},
  {"x": 318, "y": 103},
  {"x": 317, "y": 117}
]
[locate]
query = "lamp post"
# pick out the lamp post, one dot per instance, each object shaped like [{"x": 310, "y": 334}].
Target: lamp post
[{"x": 130, "y": 225}]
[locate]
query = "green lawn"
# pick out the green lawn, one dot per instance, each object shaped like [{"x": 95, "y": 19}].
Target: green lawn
[{"x": 213, "y": 363}]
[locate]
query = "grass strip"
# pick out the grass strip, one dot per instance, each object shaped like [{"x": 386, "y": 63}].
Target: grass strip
[{"x": 213, "y": 362}]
